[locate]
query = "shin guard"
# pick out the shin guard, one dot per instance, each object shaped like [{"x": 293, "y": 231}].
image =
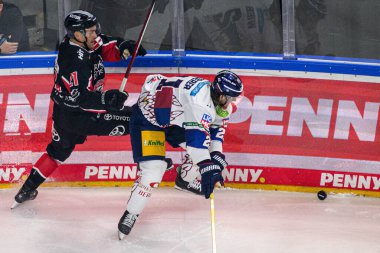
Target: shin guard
[{"x": 150, "y": 177}]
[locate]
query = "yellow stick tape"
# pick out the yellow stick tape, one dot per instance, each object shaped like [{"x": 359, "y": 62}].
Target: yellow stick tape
[{"x": 212, "y": 212}]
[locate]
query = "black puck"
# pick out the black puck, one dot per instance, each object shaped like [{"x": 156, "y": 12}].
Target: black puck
[{"x": 322, "y": 195}]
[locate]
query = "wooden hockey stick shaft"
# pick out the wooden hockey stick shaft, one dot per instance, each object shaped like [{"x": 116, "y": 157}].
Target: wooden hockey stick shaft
[
  {"x": 137, "y": 46},
  {"x": 212, "y": 212}
]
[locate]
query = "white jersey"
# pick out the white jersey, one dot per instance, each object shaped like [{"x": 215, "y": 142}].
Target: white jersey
[{"x": 185, "y": 102}]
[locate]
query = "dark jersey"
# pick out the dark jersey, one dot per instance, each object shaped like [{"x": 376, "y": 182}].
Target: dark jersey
[
  {"x": 78, "y": 83},
  {"x": 79, "y": 74}
]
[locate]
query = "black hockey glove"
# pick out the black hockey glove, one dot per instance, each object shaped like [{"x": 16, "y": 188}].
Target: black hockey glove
[
  {"x": 113, "y": 100},
  {"x": 211, "y": 174},
  {"x": 127, "y": 48},
  {"x": 219, "y": 159}
]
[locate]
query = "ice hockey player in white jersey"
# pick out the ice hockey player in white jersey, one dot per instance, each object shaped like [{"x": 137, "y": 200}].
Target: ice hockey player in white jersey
[{"x": 184, "y": 111}]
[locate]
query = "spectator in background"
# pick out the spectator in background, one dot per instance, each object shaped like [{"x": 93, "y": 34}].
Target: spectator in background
[{"x": 13, "y": 34}]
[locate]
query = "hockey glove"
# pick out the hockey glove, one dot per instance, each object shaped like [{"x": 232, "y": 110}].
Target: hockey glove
[
  {"x": 219, "y": 159},
  {"x": 113, "y": 100},
  {"x": 127, "y": 48},
  {"x": 211, "y": 174}
]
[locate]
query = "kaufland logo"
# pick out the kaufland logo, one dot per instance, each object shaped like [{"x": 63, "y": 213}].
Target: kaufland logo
[{"x": 350, "y": 181}]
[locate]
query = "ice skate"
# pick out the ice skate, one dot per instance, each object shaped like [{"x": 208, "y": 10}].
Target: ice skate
[
  {"x": 194, "y": 186},
  {"x": 126, "y": 223},
  {"x": 24, "y": 195},
  {"x": 169, "y": 165}
]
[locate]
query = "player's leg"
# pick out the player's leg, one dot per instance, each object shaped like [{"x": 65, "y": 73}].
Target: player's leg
[
  {"x": 150, "y": 177},
  {"x": 59, "y": 149},
  {"x": 188, "y": 176},
  {"x": 187, "y": 173},
  {"x": 112, "y": 124},
  {"x": 148, "y": 144}
]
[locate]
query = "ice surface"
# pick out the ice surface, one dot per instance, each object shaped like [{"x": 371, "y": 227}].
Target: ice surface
[{"x": 76, "y": 220}]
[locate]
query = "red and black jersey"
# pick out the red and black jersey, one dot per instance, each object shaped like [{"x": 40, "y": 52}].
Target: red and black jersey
[{"x": 79, "y": 74}]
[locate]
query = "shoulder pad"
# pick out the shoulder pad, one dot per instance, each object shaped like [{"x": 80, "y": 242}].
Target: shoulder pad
[{"x": 153, "y": 78}]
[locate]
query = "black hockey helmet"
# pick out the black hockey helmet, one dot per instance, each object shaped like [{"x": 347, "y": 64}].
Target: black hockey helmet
[
  {"x": 228, "y": 84},
  {"x": 80, "y": 20}
]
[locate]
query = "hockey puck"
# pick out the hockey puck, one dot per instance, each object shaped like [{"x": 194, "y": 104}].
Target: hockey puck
[{"x": 322, "y": 195}]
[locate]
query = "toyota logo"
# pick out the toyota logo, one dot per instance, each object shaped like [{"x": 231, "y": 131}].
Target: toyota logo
[
  {"x": 108, "y": 116},
  {"x": 117, "y": 131},
  {"x": 55, "y": 135}
]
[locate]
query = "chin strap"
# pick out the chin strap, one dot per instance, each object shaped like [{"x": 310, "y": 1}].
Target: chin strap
[{"x": 71, "y": 36}]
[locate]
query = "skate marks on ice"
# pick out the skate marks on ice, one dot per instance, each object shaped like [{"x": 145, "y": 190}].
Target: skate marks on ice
[{"x": 77, "y": 220}]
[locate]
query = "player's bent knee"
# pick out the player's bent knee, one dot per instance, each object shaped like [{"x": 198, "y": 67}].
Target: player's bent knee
[
  {"x": 152, "y": 172},
  {"x": 60, "y": 155}
]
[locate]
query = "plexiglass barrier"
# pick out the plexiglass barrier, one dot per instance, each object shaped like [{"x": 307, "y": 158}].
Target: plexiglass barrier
[{"x": 337, "y": 28}]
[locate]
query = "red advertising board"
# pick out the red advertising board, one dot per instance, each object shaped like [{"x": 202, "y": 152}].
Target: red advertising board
[{"x": 293, "y": 132}]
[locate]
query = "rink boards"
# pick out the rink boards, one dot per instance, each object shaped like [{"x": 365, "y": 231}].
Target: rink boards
[{"x": 290, "y": 131}]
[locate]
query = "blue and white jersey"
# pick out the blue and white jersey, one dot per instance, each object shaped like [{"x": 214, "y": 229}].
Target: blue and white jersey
[{"x": 185, "y": 102}]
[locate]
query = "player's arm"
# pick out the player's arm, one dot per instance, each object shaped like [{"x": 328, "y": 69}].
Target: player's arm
[
  {"x": 217, "y": 132},
  {"x": 197, "y": 129},
  {"x": 115, "y": 49},
  {"x": 77, "y": 80}
]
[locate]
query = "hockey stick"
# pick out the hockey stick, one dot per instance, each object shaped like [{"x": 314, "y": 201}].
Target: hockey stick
[
  {"x": 212, "y": 212},
  {"x": 137, "y": 46}
]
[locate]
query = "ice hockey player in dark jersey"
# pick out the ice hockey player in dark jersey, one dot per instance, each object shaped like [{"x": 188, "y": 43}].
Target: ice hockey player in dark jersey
[{"x": 81, "y": 107}]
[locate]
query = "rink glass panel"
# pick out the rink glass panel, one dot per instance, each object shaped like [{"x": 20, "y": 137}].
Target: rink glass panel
[
  {"x": 44, "y": 20},
  {"x": 342, "y": 28},
  {"x": 233, "y": 26},
  {"x": 125, "y": 18}
]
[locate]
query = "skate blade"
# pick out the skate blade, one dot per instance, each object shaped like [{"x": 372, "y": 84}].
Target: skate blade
[
  {"x": 121, "y": 235},
  {"x": 15, "y": 204},
  {"x": 185, "y": 190},
  {"x": 181, "y": 189}
]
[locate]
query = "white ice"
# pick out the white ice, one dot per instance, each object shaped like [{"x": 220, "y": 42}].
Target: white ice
[{"x": 76, "y": 220}]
